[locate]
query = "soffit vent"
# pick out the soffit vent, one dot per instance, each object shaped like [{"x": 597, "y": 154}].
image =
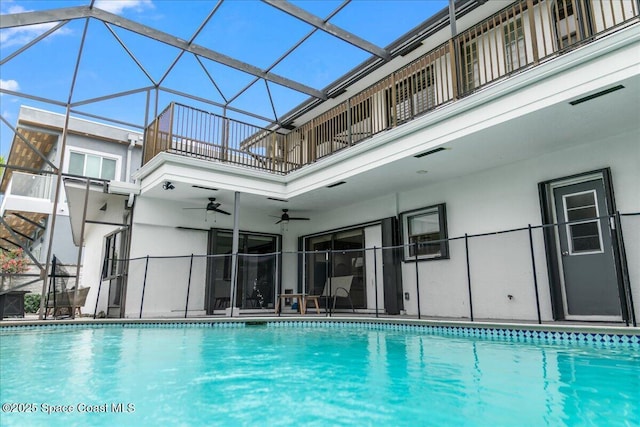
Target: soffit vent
[
  {"x": 596, "y": 95},
  {"x": 426, "y": 153},
  {"x": 336, "y": 184},
  {"x": 204, "y": 188}
]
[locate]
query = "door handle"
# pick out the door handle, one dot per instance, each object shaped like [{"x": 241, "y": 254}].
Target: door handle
[{"x": 565, "y": 253}]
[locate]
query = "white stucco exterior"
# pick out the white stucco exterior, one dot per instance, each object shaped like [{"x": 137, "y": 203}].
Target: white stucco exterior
[{"x": 499, "y": 144}]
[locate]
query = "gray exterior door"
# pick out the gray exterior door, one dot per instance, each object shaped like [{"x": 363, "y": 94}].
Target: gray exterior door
[{"x": 588, "y": 271}]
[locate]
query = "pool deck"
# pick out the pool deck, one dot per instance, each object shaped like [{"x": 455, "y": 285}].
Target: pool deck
[{"x": 555, "y": 326}]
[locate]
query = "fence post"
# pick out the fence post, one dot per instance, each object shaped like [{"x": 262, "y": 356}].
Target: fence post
[
  {"x": 466, "y": 248},
  {"x": 186, "y": 306},
  {"x": 417, "y": 282},
  {"x": 625, "y": 270},
  {"x": 144, "y": 284},
  {"x": 375, "y": 277},
  {"x": 52, "y": 277},
  {"x": 535, "y": 276},
  {"x": 327, "y": 283},
  {"x": 95, "y": 310}
]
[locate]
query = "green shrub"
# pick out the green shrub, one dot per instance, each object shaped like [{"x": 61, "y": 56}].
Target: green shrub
[{"x": 31, "y": 303}]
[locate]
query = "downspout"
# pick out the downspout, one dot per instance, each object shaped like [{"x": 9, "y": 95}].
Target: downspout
[{"x": 133, "y": 139}]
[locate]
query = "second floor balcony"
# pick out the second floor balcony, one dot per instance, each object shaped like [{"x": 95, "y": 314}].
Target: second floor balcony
[
  {"x": 29, "y": 193},
  {"x": 521, "y": 36}
]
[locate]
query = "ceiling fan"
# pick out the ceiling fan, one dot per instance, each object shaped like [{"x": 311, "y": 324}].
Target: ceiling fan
[
  {"x": 284, "y": 218},
  {"x": 213, "y": 206}
]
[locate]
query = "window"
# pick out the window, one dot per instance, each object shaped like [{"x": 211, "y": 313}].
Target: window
[
  {"x": 425, "y": 230},
  {"x": 566, "y": 20},
  {"x": 415, "y": 94},
  {"x": 92, "y": 165},
  {"x": 583, "y": 231},
  {"x": 515, "y": 55},
  {"x": 471, "y": 71},
  {"x": 345, "y": 257}
]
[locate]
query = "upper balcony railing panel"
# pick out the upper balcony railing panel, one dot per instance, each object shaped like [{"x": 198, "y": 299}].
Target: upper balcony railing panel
[
  {"x": 518, "y": 37},
  {"x": 29, "y": 193},
  {"x": 187, "y": 131},
  {"x": 30, "y": 185}
]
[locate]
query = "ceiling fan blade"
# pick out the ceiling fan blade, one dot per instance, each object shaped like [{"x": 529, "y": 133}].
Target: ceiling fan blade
[
  {"x": 279, "y": 222},
  {"x": 292, "y": 218},
  {"x": 221, "y": 211},
  {"x": 193, "y": 208}
]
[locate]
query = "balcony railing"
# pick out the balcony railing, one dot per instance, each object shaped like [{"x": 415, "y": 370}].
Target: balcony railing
[
  {"x": 29, "y": 185},
  {"x": 520, "y": 36}
]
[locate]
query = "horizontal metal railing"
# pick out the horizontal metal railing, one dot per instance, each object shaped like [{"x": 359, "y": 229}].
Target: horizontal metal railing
[
  {"x": 499, "y": 275},
  {"x": 187, "y": 131},
  {"x": 519, "y": 36}
]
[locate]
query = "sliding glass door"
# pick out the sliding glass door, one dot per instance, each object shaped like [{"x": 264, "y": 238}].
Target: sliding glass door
[
  {"x": 257, "y": 273},
  {"x": 338, "y": 255}
]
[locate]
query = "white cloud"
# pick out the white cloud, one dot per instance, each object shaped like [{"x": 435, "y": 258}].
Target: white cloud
[
  {"x": 19, "y": 36},
  {"x": 11, "y": 85},
  {"x": 118, "y": 6},
  {"x": 8, "y": 116}
]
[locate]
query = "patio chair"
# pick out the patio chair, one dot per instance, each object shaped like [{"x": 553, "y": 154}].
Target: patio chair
[
  {"x": 340, "y": 287},
  {"x": 65, "y": 301}
]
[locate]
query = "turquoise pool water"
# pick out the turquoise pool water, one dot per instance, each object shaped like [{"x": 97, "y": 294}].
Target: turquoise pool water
[{"x": 320, "y": 376}]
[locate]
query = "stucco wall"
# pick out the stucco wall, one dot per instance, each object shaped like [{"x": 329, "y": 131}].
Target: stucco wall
[
  {"x": 488, "y": 201},
  {"x": 506, "y": 198}
]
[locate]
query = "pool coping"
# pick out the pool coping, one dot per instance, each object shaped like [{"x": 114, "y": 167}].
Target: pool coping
[{"x": 478, "y": 325}]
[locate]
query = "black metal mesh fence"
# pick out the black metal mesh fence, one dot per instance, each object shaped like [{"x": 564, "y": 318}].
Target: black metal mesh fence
[{"x": 502, "y": 276}]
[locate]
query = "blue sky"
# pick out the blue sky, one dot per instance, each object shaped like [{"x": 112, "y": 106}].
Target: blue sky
[{"x": 248, "y": 30}]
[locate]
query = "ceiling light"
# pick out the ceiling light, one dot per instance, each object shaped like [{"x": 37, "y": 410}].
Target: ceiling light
[{"x": 168, "y": 186}]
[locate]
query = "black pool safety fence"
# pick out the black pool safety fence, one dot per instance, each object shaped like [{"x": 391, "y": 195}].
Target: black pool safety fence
[{"x": 531, "y": 274}]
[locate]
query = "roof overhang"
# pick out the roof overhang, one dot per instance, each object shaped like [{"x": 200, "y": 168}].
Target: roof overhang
[{"x": 102, "y": 207}]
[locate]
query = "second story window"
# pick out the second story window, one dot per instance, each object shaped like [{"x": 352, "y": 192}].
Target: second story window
[
  {"x": 570, "y": 24},
  {"x": 515, "y": 55},
  {"x": 92, "y": 165},
  {"x": 471, "y": 67},
  {"x": 415, "y": 94}
]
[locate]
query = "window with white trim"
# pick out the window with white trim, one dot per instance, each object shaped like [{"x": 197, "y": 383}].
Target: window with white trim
[
  {"x": 425, "y": 233},
  {"x": 92, "y": 165}
]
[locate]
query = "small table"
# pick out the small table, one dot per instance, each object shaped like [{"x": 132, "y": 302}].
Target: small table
[{"x": 302, "y": 302}]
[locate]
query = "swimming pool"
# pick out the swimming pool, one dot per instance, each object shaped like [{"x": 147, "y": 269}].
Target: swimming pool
[{"x": 310, "y": 373}]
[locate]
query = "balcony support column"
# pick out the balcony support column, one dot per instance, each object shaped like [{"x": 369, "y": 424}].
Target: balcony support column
[{"x": 234, "y": 252}]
